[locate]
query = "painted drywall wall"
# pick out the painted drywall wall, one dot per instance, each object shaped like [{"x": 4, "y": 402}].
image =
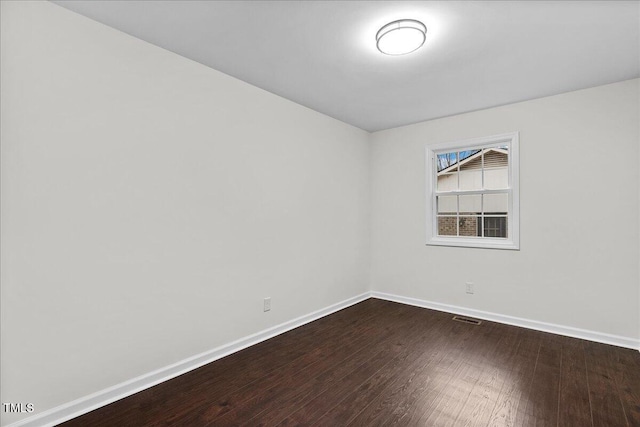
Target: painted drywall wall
[
  {"x": 578, "y": 262},
  {"x": 150, "y": 203}
]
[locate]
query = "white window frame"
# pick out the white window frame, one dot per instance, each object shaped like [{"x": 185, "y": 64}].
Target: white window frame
[{"x": 513, "y": 215}]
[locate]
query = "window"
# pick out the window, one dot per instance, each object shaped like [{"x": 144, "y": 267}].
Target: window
[{"x": 472, "y": 193}]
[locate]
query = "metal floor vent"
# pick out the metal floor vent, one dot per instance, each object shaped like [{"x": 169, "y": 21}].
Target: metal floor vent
[{"x": 467, "y": 320}]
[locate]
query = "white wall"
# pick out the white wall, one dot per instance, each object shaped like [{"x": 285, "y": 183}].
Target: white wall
[
  {"x": 149, "y": 203},
  {"x": 578, "y": 263}
]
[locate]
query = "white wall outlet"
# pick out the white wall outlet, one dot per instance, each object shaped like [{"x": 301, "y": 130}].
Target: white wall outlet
[
  {"x": 267, "y": 304},
  {"x": 469, "y": 287}
]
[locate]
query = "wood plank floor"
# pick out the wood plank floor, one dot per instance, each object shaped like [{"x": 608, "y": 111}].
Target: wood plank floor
[{"x": 379, "y": 363}]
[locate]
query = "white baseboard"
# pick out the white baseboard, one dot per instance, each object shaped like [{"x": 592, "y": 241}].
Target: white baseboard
[
  {"x": 101, "y": 398},
  {"x": 569, "y": 331}
]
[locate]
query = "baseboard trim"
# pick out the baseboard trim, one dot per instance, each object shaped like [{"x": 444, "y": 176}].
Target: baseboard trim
[
  {"x": 109, "y": 395},
  {"x": 569, "y": 331},
  {"x": 101, "y": 398}
]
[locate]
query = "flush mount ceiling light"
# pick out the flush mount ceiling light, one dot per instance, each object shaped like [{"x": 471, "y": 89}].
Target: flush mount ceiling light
[{"x": 401, "y": 37}]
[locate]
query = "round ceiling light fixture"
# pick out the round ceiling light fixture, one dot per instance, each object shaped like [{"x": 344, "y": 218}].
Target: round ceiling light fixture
[{"x": 401, "y": 37}]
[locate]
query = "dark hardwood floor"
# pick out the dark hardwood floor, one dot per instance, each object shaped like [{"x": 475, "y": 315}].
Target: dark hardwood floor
[{"x": 379, "y": 363}]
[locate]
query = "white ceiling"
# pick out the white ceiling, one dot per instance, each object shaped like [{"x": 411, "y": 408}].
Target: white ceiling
[{"x": 322, "y": 54}]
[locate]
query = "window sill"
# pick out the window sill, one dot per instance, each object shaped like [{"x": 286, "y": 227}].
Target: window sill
[{"x": 474, "y": 243}]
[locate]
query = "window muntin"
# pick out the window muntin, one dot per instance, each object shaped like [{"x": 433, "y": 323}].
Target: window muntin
[{"x": 473, "y": 193}]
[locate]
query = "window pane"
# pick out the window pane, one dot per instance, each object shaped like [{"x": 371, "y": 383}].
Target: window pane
[
  {"x": 468, "y": 225},
  {"x": 447, "y": 226},
  {"x": 448, "y": 181},
  {"x": 447, "y": 204},
  {"x": 470, "y": 179},
  {"x": 470, "y": 204},
  {"x": 446, "y": 160},
  {"x": 496, "y": 168},
  {"x": 496, "y": 203},
  {"x": 447, "y": 168},
  {"x": 471, "y": 170},
  {"x": 495, "y": 226}
]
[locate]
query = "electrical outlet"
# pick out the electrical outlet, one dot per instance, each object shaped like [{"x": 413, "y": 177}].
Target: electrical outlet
[
  {"x": 469, "y": 286},
  {"x": 267, "y": 304}
]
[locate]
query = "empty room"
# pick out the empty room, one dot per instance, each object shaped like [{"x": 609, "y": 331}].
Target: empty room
[{"x": 328, "y": 213}]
